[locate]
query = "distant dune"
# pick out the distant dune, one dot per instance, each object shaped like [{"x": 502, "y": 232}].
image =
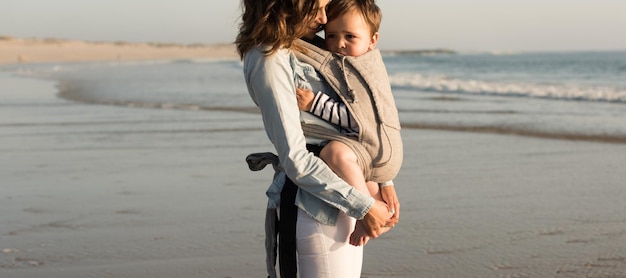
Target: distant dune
[{"x": 36, "y": 50}]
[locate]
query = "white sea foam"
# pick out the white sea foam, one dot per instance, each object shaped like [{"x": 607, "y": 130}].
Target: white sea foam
[{"x": 443, "y": 83}]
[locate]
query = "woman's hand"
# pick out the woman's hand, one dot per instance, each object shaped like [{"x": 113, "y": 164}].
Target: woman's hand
[
  {"x": 305, "y": 99},
  {"x": 376, "y": 218},
  {"x": 388, "y": 193}
]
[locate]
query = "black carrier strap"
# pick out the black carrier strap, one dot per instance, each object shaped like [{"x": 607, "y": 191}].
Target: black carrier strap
[{"x": 287, "y": 255}]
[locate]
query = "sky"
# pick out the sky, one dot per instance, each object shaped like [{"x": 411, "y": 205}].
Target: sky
[{"x": 462, "y": 25}]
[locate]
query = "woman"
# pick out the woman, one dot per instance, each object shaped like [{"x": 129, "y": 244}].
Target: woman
[{"x": 327, "y": 206}]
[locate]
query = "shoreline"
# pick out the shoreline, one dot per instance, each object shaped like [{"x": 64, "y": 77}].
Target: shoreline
[
  {"x": 26, "y": 51},
  {"x": 608, "y": 139}
]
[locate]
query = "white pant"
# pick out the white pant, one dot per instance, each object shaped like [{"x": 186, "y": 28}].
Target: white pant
[{"x": 324, "y": 251}]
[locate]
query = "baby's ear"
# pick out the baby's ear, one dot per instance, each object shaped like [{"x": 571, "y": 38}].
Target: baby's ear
[{"x": 373, "y": 41}]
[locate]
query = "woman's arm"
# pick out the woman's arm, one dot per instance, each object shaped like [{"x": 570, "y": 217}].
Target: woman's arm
[{"x": 271, "y": 85}]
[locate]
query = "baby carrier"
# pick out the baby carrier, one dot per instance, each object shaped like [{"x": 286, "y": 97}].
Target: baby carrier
[{"x": 363, "y": 85}]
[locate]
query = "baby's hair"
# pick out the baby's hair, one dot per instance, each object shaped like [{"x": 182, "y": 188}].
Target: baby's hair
[{"x": 368, "y": 8}]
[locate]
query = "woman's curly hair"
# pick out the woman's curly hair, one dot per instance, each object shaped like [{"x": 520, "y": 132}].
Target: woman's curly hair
[{"x": 275, "y": 23}]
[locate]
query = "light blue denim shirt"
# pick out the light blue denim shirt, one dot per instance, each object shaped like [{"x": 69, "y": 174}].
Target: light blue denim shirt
[{"x": 321, "y": 193}]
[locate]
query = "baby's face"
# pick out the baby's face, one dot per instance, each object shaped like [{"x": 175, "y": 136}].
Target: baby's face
[{"x": 349, "y": 35}]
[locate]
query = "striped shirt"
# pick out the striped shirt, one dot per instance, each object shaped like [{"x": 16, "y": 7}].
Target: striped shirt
[{"x": 334, "y": 112}]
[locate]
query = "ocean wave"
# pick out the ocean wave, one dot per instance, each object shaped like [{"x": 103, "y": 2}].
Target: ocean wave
[
  {"x": 75, "y": 92},
  {"x": 564, "y": 91}
]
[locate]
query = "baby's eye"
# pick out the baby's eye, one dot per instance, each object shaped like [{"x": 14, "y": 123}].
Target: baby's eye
[{"x": 330, "y": 36}]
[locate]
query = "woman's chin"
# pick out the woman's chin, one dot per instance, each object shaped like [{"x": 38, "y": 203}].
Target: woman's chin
[{"x": 309, "y": 35}]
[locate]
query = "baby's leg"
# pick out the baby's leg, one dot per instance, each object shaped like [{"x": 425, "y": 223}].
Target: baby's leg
[
  {"x": 359, "y": 236},
  {"x": 343, "y": 161}
]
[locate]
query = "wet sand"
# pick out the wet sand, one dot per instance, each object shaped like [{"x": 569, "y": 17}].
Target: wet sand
[{"x": 108, "y": 191}]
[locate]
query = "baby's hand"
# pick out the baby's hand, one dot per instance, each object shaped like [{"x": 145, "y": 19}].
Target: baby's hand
[{"x": 305, "y": 99}]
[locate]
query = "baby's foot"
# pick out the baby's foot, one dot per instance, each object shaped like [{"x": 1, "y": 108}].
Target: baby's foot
[{"x": 359, "y": 237}]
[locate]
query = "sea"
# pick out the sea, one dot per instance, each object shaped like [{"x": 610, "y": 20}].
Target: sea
[{"x": 561, "y": 95}]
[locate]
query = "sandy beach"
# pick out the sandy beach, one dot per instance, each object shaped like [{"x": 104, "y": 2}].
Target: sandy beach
[
  {"x": 34, "y": 50},
  {"x": 108, "y": 191}
]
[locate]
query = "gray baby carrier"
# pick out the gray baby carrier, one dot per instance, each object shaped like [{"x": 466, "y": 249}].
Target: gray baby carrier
[{"x": 363, "y": 85}]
